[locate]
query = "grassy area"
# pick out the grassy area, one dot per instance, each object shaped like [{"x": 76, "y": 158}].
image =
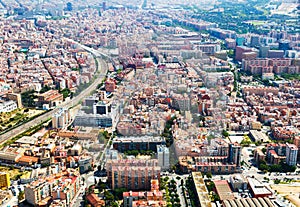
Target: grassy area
[
  {"x": 246, "y": 141},
  {"x": 9, "y": 120},
  {"x": 290, "y": 76}
]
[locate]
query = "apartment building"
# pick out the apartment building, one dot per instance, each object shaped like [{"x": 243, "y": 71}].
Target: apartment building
[
  {"x": 260, "y": 66},
  {"x": 163, "y": 156},
  {"x": 61, "y": 118},
  {"x": 7, "y": 106},
  {"x": 132, "y": 174},
  {"x": 61, "y": 186},
  {"x": 291, "y": 154},
  {"x": 234, "y": 154},
  {"x": 137, "y": 143},
  {"x": 276, "y": 153},
  {"x": 154, "y": 197},
  {"x": 261, "y": 91}
]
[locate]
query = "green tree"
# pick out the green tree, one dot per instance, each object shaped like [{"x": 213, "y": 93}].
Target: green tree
[
  {"x": 109, "y": 196},
  {"x": 65, "y": 92},
  {"x": 209, "y": 175},
  {"x": 21, "y": 196},
  {"x": 118, "y": 192},
  {"x": 114, "y": 204},
  {"x": 276, "y": 181},
  {"x": 45, "y": 89},
  {"x": 225, "y": 133}
]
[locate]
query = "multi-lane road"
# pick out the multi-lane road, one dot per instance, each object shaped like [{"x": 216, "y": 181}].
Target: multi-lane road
[{"x": 102, "y": 68}]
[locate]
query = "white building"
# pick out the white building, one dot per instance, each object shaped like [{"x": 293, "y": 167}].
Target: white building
[
  {"x": 61, "y": 118},
  {"x": 163, "y": 156},
  {"x": 7, "y": 106},
  {"x": 291, "y": 154}
]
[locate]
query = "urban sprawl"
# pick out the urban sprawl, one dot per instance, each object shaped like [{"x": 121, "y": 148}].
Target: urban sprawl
[{"x": 150, "y": 103}]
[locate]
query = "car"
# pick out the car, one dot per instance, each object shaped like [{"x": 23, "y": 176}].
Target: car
[{"x": 14, "y": 192}]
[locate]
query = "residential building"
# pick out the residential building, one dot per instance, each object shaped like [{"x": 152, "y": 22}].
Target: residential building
[
  {"x": 208, "y": 48},
  {"x": 38, "y": 193},
  {"x": 85, "y": 163},
  {"x": 234, "y": 155},
  {"x": 61, "y": 118},
  {"x": 181, "y": 102},
  {"x": 297, "y": 143},
  {"x": 263, "y": 51},
  {"x": 7, "y": 106},
  {"x": 275, "y": 65},
  {"x": 255, "y": 41},
  {"x": 230, "y": 43},
  {"x": 276, "y": 53},
  {"x": 291, "y": 154},
  {"x": 163, "y": 156},
  {"x": 60, "y": 186},
  {"x": 132, "y": 174},
  {"x": 154, "y": 197},
  {"x": 123, "y": 144},
  {"x": 259, "y": 155},
  {"x": 240, "y": 50},
  {"x": 276, "y": 153}
]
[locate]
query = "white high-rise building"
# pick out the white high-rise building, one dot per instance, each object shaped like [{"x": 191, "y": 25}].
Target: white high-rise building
[
  {"x": 291, "y": 154},
  {"x": 163, "y": 156},
  {"x": 61, "y": 118}
]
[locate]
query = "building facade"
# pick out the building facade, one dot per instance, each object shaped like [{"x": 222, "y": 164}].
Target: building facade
[
  {"x": 7, "y": 106},
  {"x": 61, "y": 118},
  {"x": 163, "y": 156},
  {"x": 291, "y": 154},
  {"x": 132, "y": 174}
]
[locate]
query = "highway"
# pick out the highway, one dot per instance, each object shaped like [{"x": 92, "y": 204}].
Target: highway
[{"x": 102, "y": 68}]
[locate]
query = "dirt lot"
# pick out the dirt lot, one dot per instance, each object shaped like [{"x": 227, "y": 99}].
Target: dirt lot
[{"x": 291, "y": 192}]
